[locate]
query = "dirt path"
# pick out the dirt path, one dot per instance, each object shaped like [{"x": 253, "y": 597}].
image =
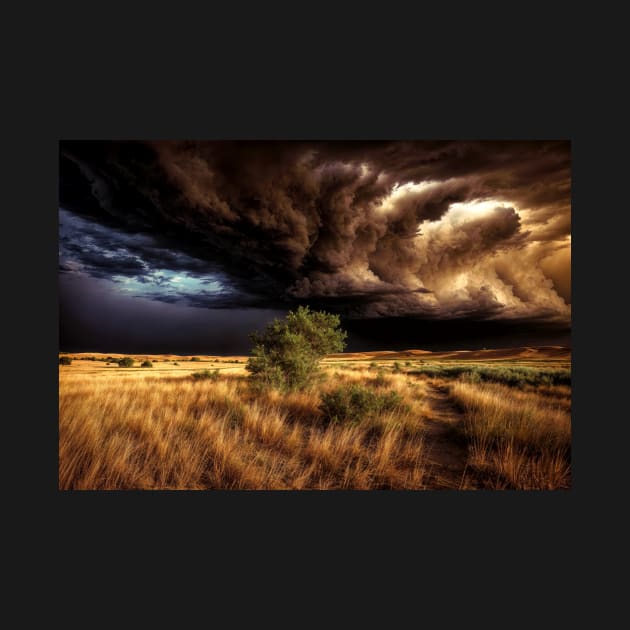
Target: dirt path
[{"x": 445, "y": 453}]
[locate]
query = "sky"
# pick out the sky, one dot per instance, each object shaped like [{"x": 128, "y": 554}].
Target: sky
[{"x": 188, "y": 246}]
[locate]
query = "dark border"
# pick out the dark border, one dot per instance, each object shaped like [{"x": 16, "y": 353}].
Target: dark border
[{"x": 490, "y": 86}]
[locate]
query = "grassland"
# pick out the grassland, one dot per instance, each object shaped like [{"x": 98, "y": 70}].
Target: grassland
[{"x": 379, "y": 421}]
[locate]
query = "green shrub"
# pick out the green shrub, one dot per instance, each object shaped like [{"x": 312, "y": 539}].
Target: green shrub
[
  {"x": 514, "y": 375},
  {"x": 380, "y": 380},
  {"x": 356, "y": 403},
  {"x": 471, "y": 377},
  {"x": 373, "y": 365},
  {"x": 65, "y": 361},
  {"x": 146, "y": 363},
  {"x": 125, "y": 362},
  {"x": 175, "y": 363},
  {"x": 195, "y": 359},
  {"x": 206, "y": 374},
  {"x": 396, "y": 367},
  {"x": 286, "y": 354}
]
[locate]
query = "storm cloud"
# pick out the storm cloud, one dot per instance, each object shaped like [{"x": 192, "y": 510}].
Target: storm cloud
[{"x": 438, "y": 230}]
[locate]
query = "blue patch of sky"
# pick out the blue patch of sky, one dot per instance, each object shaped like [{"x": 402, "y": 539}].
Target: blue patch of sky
[
  {"x": 89, "y": 248},
  {"x": 165, "y": 280}
]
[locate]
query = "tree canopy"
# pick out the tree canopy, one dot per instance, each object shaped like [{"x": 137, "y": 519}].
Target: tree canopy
[{"x": 287, "y": 353}]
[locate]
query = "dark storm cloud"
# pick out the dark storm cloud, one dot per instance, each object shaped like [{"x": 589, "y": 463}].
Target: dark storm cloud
[
  {"x": 99, "y": 251},
  {"x": 82, "y": 239},
  {"x": 403, "y": 333},
  {"x": 375, "y": 228},
  {"x": 94, "y": 318}
]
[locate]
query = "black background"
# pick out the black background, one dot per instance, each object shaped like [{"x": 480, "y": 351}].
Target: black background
[{"x": 504, "y": 559}]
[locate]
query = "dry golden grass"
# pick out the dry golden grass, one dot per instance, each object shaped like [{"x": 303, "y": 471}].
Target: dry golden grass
[
  {"x": 517, "y": 439},
  {"x": 133, "y": 429},
  {"x": 158, "y": 428}
]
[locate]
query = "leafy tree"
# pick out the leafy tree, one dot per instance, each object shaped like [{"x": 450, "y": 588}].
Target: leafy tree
[
  {"x": 125, "y": 362},
  {"x": 146, "y": 363},
  {"x": 286, "y": 354},
  {"x": 65, "y": 361}
]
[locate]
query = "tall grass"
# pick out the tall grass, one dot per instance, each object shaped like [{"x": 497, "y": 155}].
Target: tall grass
[
  {"x": 516, "y": 440},
  {"x": 359, "y": 428},
  {"x": 150, "y": 432}
]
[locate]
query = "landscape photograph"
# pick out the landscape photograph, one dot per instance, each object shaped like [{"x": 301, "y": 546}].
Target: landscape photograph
[{"x": 314, "y": 315}]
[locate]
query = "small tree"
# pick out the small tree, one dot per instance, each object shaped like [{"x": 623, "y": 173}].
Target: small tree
[
  {"x": 125, "y": 362},
  {"x": 146, "y": 363},
  {"x": 286, "y": 354},
  {"x": 65, "y": 361}
]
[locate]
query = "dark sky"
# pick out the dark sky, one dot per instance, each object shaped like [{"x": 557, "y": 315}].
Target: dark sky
[{"x": 186, "y": 247}]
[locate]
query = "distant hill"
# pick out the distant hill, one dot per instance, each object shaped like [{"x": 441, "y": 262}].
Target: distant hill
[{"x": 558, "y": 353}]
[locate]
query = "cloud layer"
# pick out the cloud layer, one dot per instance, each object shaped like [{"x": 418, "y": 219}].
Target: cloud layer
[{"x": 438, "y": 230}]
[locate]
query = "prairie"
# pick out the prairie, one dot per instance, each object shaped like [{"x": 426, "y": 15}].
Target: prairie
[{"x": 409, "y": 420}]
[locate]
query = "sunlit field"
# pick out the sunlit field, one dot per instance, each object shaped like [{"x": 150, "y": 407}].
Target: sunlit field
[{"x": 405, "y": 421}]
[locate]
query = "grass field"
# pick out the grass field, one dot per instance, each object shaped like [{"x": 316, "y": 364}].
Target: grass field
[{"x": 414, "y": 420}]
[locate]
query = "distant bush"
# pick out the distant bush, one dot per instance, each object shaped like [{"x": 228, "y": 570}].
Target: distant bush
[
  {"x": 65, "y": 361},
  {"x": 146, "y": 364},
  {"x": 125, "y": 362},
  {"x": 408, "y": 363},
  {"x": 396, "y": 366},
  {"x": 213, "y": 375},
  {"x": 380, "y": 380},
  {"x": 373, "y": 365},
  {"x": 508, "y": 374},
  {"x": 471, "y": 377},
  {"x": 175, "y": 363},
  {"x": 356, "y": 403},
  {"x": 195, "y": 359}
]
